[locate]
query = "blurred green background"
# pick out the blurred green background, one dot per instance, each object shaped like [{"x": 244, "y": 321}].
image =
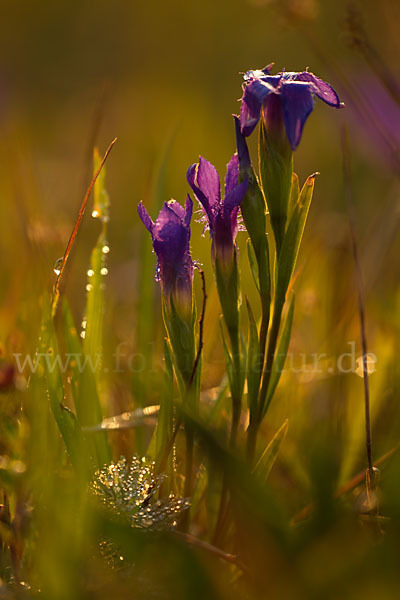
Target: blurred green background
[{"x": 165, "y": 78}]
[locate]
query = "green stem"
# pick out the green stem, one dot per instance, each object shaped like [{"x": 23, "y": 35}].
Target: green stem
[
  {"x": 273, "y": 339},
  {"x": 237, "y": 392},
  {"x": 255, "y": 423}
]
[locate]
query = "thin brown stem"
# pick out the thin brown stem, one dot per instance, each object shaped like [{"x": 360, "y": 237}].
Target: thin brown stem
[
  {"x": 193, "y": 541},
  {"x": 359, "y": 282},
  {"x": 346, "y": 487},
  {"x": 56, "y": 289}
]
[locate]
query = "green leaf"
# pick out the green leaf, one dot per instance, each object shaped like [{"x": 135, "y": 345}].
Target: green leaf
[
  {"x": 294, "y": 194},
  {"x": 292, "y": 240},
  {"x": 253, "y": 264},
  {"x": 253, "y": 363},
  {"x": 215, "y": 413},
  {"x": 228, "y": 359},
  {"x": 281, "y": 354},
  {"x": 93, "y": 339},
  {"x": 84, "y": 388},
  {"x": 163, "y": 429},
  {"x": 74, "y": 349},
  {"x": 65, "y": 419},
  {"x": 268, "y": 457},
  {"x": 101, "y": 204}
]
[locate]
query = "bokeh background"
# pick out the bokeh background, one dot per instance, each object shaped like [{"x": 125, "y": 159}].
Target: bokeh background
[{"x": 165, "y": 78}]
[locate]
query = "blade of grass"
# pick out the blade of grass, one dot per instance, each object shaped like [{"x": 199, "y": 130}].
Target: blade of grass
[
  {"x": 268, "y": 457},
  {"x": 65, "y": 418},
  {"x": 56, "y": 289}
]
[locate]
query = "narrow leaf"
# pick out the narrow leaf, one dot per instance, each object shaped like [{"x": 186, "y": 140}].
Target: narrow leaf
[
  {"x": 294, "y": 194},
  {"x": 281, "y": 353},
  {"x": 253, "y": 263},
  {"x": 65, "y": 419},
  {"x": 228, "y": 359},
  {"x": 268, "y": 457},
  {"x": 292, "y": 240},
  {"x": 253, "y": 363}
]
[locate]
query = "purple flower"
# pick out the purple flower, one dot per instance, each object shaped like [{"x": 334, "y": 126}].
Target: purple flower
[
  {"x": 221, "y": 215},
  {"x": 287, "y": 96},
  {"x": 171, "y": 235}
]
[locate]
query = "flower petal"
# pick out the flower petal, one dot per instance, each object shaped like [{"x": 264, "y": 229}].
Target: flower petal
[
  {"x": 323, "y": 90},
  {"x": 146, "y": 219},
  {"x": 297, "y": 102},
  {"x": 207, "y": 180},
  {"x": 232, "y": 174},
  {"x": 176, "y": 208},
  {"x": 234, "y": 198},
  {"x": 188, "y": 211},
  {"x": 253, "y": 97},
  {"x": 191, "y": 177},
  {"x": 170, "y": 236}
]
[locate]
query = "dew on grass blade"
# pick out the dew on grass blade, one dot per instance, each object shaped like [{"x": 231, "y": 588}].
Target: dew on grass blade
[{"x": 58, "y": 265}]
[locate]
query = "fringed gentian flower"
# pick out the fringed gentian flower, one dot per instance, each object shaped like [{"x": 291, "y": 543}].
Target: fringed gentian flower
[
  {"x": 285, "y": 99},
  {"x": 221, "y": 215},
  {"x": 171, "y": 235},
  {"x": 222, "y": 219}
]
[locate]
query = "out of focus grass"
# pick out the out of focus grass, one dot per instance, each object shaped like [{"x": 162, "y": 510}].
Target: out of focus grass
[{"x": 164, "y": 78}]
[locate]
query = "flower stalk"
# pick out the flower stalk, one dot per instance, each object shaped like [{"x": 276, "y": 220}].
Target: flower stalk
[
  {"x": 171, "y": 236},
  {"x": 221, "y": 219},
  {"x": 281, "y": 103}
]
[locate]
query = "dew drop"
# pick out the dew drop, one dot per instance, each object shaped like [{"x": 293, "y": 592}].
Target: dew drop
[
  {"x": 90, "y": 273},
  {"x": 89, "y": 287},
  {"x": 95, "y": 214},
  {"x": 105, "y": 249},
  {"x": 83, "y": 334},
  {"x": 104, "y": 271},
  {"x": 57, "y": 265}
]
